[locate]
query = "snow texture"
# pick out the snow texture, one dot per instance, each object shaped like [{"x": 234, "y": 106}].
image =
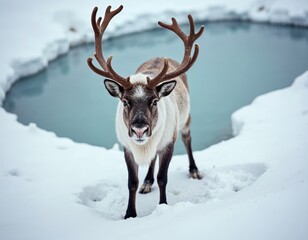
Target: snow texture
[{"x": 254, "y": 186}]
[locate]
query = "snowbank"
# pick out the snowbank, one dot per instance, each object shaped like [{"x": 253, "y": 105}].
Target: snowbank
[{"x": 255, "y": 185}]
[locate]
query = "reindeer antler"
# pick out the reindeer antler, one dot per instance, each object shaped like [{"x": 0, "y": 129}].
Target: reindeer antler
[
  {"x": 99, "y": 29},
  {"x": 107, "y": 71},
  {"x": 187, "y": 61}
]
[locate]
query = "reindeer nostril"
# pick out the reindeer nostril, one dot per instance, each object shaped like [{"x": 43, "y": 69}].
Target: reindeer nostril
[
  {"x": 146, "y": 130},
  {"x": 139, "y": 131}
]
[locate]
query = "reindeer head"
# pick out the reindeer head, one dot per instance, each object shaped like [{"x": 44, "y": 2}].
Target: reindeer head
[{"x": 139, "y": 93}]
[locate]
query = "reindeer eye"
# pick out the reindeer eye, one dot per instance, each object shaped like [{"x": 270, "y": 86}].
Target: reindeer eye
[
  {"x": 125, "y": 103},
  {"x": 154, "y": 103}
]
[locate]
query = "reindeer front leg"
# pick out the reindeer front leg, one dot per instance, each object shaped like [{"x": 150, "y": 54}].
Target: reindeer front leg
[
  {"x": 133, "y": 182},
  {"x": 162, "y": 176}
]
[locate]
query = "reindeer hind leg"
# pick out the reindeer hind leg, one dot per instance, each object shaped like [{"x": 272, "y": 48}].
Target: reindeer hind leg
[
  {"x": 186, "y": 138},
  {"x": 149, "y": 179}
]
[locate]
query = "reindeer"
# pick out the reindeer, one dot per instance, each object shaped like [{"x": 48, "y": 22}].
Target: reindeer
[{"x": 154, "y": 106}]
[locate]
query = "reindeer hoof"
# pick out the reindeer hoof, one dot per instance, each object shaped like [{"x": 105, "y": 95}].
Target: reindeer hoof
[
  {"x": 130, "y": 214},
  {"x": 146, "y": 187},
  {"x": 195, "y": 174}
]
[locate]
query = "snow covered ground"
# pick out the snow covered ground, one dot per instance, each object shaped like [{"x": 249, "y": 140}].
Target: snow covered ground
[{"x": 255, "y": 185}]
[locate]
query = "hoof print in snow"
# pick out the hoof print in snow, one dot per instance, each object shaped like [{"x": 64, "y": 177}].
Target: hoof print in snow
[
  {"x": 72, "y": 29},
  {"x": 105, "y": 198},
  {"x": 218, "y": 184},
  {"x": 14, "y": 172}
]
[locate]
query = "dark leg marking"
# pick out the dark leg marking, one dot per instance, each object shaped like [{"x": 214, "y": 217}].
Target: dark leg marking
[
  {"x": 162, "y": 176},
  {"x": 133, "y": 182},
  {"x": 193, "y": 170},
  {"x": 149, "y": 179}
]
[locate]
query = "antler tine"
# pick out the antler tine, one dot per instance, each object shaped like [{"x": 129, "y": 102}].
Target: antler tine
[
  {"x": 125, "y": 83},
  {"x": 185, "y": 68},
  {"x": 98, "y": 22},
  {"x": 191, "y": 24},
  {"x": 97, "y": 70},
  {"x": 93, "y": 20},
  {"x": 99, "y": 28},
  {"x": 194, "y": 36},
  {"x": 109, "y": 15},
  {"x": 159, "y": 77},
  {"x": 174, "y": 27}
]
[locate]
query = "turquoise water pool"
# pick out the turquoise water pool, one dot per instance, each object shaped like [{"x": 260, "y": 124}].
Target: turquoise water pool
[{"x": 237, "y": 62}]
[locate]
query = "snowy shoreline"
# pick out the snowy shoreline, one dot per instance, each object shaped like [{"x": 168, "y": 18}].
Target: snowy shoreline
[{"x": 256, "y": 184}]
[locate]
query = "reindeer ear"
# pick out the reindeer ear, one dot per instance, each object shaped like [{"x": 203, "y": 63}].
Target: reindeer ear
[
  {"x": 113, "y": 88},
  {"x": 165, "y": 88}
]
